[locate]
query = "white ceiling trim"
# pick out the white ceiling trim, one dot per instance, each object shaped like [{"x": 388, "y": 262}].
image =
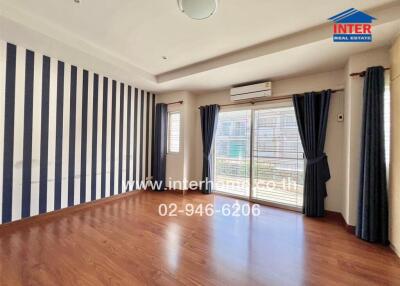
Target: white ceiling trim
[
  {"x": 58, "y": 33},
  {"x": 384, "y": 14}
]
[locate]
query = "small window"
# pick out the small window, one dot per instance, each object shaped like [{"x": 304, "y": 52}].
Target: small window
[{"x": 174, "y": 124}]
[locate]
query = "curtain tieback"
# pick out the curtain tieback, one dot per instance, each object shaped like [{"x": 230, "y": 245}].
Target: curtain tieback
[
  {"x": 323, "y": 167},
  {"x": 316, "y": 160}
]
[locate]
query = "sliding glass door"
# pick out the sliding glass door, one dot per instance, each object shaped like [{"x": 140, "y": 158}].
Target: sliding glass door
[
  {"x": 232, "y": 153},
  {"x": 258, "y": 155}
]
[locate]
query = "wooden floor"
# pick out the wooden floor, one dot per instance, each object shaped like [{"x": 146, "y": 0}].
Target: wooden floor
[{"x": 126, "y": 242}]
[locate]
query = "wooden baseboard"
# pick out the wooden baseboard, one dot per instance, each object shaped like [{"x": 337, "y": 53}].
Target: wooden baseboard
[
  {"x": 352, "y": 229},
  {"x": 183, "y": 192},
  {"x": 395, "y": 250},
  {"x": 64, "y": 211},
  {"x": 336, "y": 216},
  {"x": 349, "y": 228}
]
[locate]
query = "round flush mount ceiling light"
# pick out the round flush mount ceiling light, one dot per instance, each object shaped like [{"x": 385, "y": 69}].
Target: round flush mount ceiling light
[{"x": 198, "y": 9}]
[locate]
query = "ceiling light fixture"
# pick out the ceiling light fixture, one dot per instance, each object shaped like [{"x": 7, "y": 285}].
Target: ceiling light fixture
[{"x": 198, "y": 9}]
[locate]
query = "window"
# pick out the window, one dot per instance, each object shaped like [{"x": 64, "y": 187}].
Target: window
[{"x": 174, "y": 130}]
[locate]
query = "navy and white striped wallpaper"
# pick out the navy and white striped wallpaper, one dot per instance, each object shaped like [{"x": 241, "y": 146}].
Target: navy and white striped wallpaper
[{"x": 67, "y": 135}]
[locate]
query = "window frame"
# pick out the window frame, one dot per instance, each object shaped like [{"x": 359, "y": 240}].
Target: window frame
[{"x": 169, "y": 132}]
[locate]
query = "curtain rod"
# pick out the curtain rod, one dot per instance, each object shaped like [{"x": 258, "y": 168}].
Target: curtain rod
[
  {"x": 362, "y": 74},
  {"x": 288, "y": 96},
  {"x": 176, "y": 102}
]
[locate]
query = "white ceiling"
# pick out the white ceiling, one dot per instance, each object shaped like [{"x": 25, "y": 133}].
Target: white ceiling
[
  {"x": 320, "y": 56},
  {"x": 140, "y": 32}
]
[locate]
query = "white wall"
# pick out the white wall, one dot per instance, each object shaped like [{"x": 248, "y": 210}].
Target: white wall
[
  {"x": 21, "y": 35},
  {"x": 394, "y": 185},
  {"x": 189, "y": 138}
]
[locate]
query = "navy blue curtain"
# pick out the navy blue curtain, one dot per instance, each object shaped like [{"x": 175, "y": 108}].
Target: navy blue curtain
[
  {"x": 312, "y": 117},
  {"x": 372, "y": 224},
  {"x": 209, "y": 120},
  {"x": 160, "y": 145}
]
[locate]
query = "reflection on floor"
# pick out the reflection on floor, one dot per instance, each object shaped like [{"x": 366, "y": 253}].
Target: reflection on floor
[{"x": 126, "y": 242}]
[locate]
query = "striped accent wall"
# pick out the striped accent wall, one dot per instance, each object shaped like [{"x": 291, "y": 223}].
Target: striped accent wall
[{"x": 67, "y": 135}]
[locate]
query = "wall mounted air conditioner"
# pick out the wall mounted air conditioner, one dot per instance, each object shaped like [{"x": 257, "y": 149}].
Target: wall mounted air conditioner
[{"x": 254, "y": 91}]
